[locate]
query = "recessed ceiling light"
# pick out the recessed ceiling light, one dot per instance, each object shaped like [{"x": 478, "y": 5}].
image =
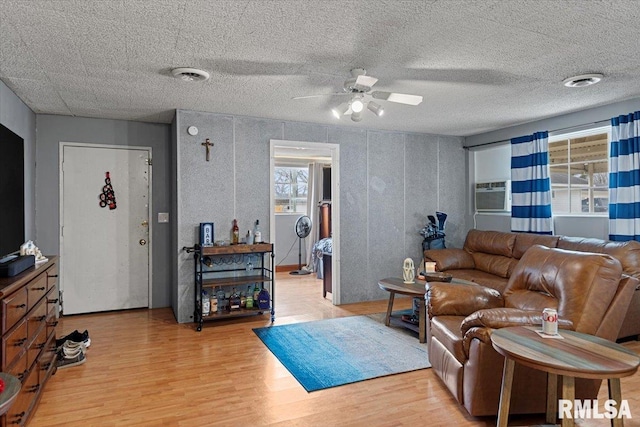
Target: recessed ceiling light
[
  {"x": 582, "y": 80},
  {"x": 190, "y": 74}
]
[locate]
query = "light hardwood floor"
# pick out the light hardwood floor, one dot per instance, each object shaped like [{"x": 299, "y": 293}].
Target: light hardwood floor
[{"x": 144, "y": 369}]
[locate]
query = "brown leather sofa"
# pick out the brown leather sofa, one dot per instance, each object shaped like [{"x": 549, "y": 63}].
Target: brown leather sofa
[
  {"x": 489, "y": 258},
  {"x": 588, "y": 290}
]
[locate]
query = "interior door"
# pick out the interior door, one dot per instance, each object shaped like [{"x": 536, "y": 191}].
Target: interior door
[{"x": 104, "y": 246}]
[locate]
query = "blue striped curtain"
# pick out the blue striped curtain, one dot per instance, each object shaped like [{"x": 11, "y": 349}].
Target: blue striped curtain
[
  {"x": 530, "y": 184},
  {"x": 624, "y": 178}
]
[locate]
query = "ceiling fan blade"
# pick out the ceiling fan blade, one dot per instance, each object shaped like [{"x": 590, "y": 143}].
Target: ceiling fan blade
[
  {"x": 400, "y": 98},
  {"x": 365, "y": 81},
  {"x": 322, "y": 94}
]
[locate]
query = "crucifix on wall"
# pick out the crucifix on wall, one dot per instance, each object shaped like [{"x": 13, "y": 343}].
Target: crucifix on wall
[{"x": 207, "y": 144}]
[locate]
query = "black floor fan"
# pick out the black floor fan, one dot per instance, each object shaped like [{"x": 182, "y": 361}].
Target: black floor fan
[{"x": 302, "y": 229}]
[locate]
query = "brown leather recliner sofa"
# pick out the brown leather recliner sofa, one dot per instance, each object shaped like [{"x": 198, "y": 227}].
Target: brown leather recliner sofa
[
  {"x": 489, "y": 258},
  {"x": 588, "y": 290}
]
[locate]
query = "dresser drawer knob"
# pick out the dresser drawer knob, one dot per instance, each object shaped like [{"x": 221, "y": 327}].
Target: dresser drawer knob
[
  {"x": 18, "y": 419},
  {"x": 38, "y": 289},
  {"x": 35, "y": 388},
  {"x": 54, "y": 323},
  {"x": 53, "y": 275},
  {"x": 19, "y": 342},
  {"x": 39, "y": 318},
  {"x": 52, "y": 301},
  {"x": 21, "y": 306}
]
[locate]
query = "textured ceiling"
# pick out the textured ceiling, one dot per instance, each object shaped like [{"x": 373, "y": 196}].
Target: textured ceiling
[{"x": 480, "y": 65}]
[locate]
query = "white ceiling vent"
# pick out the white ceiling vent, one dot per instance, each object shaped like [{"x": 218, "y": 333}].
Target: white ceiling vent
[
  {"x": 583, "y": 80},
  {"x": 190, "y": 74}
]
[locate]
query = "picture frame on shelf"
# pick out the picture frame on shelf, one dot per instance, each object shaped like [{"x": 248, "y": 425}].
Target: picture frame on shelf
[{"x": 206, "y": 234}]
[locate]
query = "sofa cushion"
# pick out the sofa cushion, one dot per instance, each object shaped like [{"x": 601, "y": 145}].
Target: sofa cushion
[
  {"x": 572, "y": 278},
  {"x": 449, "y": 259},
  {"x": 628, "y": 253},
  {"x": 525, "y": 240},
  {"x": 481, "y": 278},
  {"x": 490, "y": 242},
  {"x": 446, "y": 329},
  {"x": 492, "y": 264}
]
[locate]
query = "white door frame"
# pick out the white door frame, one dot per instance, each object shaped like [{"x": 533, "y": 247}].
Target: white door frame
[
  {"x": 335, "y": 203},
  {"x": 61, "y": 210}
]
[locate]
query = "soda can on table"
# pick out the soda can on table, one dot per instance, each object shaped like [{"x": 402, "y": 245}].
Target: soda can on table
[{"x": 550, "y": 321}]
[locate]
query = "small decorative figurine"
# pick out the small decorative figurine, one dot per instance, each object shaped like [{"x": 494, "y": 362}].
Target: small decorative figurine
[{"x": 408, "y": 271}]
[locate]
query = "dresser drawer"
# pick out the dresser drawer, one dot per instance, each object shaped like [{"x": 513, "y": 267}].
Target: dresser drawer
[
  {"x": 19, "y": 368},
  {"x": 52, "y": 277},
  {"x": 36, "y": 289},
  {"x": 14, "y": 307},
  {"x": 36, "y": 319},
  {"x": 47, "y": 360},
  {"x": 37, "y": 345},
  {"x": 19, "y": 411},
  {"x": 14, "y": 343}
]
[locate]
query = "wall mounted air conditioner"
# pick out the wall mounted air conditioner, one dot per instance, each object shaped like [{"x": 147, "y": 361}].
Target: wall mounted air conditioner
[{"x": 493, "y": 196}]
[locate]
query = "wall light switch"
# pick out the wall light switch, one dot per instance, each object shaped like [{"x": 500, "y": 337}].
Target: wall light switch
[{"x": 163, "y": 217}]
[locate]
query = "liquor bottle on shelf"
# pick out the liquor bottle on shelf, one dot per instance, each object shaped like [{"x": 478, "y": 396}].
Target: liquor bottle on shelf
[
  {"x": 234, "y": 300},
  {"x": 256, "y": 292},
  {"x": 204, "y": 300},
  {"x": 243, "y": 300},
  {"x": 213, "y": 301},
  {"x": 221, "y": 299},
  {"x": 257, "y": 234},
  {"x": 235, "y": 233},
  {"x": 249, "y": 296},
  {"x": 249, "y": 266}
]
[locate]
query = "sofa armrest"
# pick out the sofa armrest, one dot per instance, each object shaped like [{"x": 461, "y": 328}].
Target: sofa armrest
[
  {"x": 450, "y": 299},
  {"x": 497, "y": 318},
  {"x": 449, "y": 259}
]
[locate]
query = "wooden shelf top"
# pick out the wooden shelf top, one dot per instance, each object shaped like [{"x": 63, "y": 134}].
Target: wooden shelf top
[{"x": 237, "y": 249}]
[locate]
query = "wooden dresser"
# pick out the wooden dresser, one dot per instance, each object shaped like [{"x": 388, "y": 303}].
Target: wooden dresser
[{"x": 29, "y": 312}]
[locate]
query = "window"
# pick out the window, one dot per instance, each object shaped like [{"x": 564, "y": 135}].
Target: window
[
  {"x": 579, "y": 172},
  {"x": 291, "y": 189}
]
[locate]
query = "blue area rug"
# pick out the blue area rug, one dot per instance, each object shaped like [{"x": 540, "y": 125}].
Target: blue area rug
[{"x": 333, "y": 352}]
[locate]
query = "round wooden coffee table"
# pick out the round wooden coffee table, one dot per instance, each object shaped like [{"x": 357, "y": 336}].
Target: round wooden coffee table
[
  {"x": 395, "y": 286},
  {"x": 575, "y": 355}
]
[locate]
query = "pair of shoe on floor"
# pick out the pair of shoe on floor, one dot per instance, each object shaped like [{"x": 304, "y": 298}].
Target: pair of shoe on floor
[{"x": 71, "y": 349}]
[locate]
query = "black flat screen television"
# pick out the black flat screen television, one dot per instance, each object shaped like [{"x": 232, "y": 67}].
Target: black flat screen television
[{"x": 12, "y": 232}]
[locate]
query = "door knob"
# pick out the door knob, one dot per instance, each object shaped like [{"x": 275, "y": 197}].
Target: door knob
[
  {"x": 144, "y": 223},
  {"x": 143, "y": 242}
]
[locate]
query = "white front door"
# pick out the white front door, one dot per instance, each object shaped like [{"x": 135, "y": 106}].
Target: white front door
[{"x": 104, "y": 240}]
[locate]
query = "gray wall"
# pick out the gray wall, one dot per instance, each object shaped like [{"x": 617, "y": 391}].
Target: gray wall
[
  {"x": 389, "y": 183},
  {"x": 19, "y": 118},
  {"x": 55, "y": 129}
]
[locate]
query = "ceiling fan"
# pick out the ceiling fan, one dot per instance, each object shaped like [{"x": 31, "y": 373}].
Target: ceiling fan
[{"x": 358, "y": 89}]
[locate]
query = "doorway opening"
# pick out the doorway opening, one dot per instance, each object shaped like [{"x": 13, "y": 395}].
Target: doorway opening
[{"x": 293, "y": 194}]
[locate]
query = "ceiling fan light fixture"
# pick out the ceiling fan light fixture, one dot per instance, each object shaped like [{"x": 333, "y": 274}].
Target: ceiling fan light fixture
[
  {"x": 339, "y": 111},
  {"x": 582, "y": 80},
  {"x": 356, "y": 116},
  {"x": 190, "y": 74},
  {"x": 375, "y": 108},
  {"x": 357, "y": 105}
]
